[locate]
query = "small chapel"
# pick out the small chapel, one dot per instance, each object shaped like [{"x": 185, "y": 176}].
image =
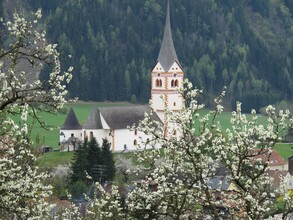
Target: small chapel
[{"x": 112, "y": 122}]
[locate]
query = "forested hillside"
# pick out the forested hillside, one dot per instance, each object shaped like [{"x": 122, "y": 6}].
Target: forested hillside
[{"x": 244, "y": 44}]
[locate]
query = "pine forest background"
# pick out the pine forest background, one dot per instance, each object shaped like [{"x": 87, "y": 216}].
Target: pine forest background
[{"x": 245, "y": 45}]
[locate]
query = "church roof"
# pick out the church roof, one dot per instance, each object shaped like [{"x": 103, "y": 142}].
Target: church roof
[
  {"x": 167, "y": 55},
  {"x": 121, "y": 117},
  {"x": 94, "y": 120},
  {"x": 71, "y": 122}
]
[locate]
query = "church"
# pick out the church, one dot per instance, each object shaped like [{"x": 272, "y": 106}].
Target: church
[{"x": 113, "y": 122}]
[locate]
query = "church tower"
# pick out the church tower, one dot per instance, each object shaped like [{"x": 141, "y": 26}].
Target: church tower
[{"x": 167, "y": 76}]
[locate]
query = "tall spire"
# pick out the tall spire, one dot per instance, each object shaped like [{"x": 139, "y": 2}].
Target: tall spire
[{"x": 167, "y": 55}]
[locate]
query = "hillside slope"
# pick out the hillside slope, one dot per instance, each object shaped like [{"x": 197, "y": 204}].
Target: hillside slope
[{"x": 244, "y": 45}]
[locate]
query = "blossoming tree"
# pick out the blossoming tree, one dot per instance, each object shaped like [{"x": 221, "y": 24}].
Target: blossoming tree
[
  {"x": 23, "y": 53},
  {"x": 193, "y": 155}
]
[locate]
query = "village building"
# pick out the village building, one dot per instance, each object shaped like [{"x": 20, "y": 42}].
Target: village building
[
  {"x": 273, "y": 160},
  {"x": 113, "y": 122}
]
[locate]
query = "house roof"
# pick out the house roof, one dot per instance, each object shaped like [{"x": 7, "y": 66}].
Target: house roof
[
  {"x": 121, "y": 117},
  {"x": 219, "y": 182},
  {"x": 71, "y": 122},
  {"x": 277, "y": 176},
  {"x": 94, "y": 120},
  {"x": 273, "y": 158},
  {"x": 167, "y": 55}
]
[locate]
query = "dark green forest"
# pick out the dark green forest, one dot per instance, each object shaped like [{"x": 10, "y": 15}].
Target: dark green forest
[{"x": 245, "y": 45}]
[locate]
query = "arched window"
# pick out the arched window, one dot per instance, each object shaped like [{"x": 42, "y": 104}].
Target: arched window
[
  {"x": 91, "y": 135},
  {"x": 176, "y": 83},
  {"x": 158, "y": 83},
  {"x": 172, "y": 83},
  {"x": 135, "y": 132},
  {"x": 174, "y": 132},
  {"x": 135, "y": 142},
  {"x": 148, "y": 141},
  {"x": 174, "y": 104}
]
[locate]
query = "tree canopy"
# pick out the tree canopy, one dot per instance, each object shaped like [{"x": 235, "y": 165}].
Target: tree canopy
[{"x": 244, "y": 45}]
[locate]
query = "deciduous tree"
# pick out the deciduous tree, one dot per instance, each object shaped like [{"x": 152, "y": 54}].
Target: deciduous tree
[
  {"x": 24, "y": 53},
  {"x": 184, "y": 180}
]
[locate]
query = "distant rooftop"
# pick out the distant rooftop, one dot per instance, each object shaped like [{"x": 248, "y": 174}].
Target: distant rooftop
[
  {"x": 71, "y": 122},
  {"x": 118, "y": 117},
  {"x": 121, "y": 117},
  {"x": 272, "y": 158},
  {"x": 94, "y": 120}
]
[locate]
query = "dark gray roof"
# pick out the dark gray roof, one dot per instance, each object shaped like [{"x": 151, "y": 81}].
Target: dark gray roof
[
  {"x": 219, "y": 182},
  {"x": 94, "y": 120},
  {"x": 71, "y": 122},
  {"x": 167, "y": 55},
  {"x": 121, "y": 117}
]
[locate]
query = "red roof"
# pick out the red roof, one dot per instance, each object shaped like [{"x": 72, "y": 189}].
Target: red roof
[
  {"x": 277, "y": 176},
  {"x": 272, "y": 158}
]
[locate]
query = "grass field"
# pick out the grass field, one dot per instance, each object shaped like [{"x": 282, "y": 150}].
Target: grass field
[
  {"x": 285, "y": 150},
  {"x": 53, "y": 159},
  {"x": 51, "y": 137},
  {"x": 224, "y": 119},
  {"x": 82, "y": 110}
]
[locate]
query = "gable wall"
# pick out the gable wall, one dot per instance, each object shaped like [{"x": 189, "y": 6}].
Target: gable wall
[{"x": 76, "y": 133}]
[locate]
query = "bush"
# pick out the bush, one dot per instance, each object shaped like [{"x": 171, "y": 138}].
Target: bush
[
  {"x": 63, "y": 110},
  {"x": 77, "y": 190},
  {"x": 133, "y": 99},
  {"x": 59, "y": 184}
]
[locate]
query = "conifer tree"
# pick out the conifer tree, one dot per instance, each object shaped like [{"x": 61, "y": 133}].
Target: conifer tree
[
  {"x": 93, "y": 159},
  {"x": 108, "y": 161},
  {"x": 80, "y": 163}
]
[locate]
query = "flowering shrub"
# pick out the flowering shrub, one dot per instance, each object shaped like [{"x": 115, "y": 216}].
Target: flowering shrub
[
  {"x": 184, "y": 187},
  {"x": 21, "y": 92}
]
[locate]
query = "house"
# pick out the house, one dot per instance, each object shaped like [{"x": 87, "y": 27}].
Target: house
[
  {"x": 273, "y": 159},
  {"x": 113, "y": 122}
]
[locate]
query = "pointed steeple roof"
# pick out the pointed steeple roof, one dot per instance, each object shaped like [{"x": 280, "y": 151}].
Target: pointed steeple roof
[
  {"x": 71, "y": 122},
  {"x": 94, "y": 120},
  {"x": 167, "y": 55}
]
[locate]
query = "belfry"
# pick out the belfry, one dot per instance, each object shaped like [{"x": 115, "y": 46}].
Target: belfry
[{"x": 167, "y": 76}]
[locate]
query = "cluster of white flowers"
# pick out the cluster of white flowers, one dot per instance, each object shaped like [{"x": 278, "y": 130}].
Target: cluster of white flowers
[
  {"x": 23, "y": 193},
  {"x": 182, "y": 185}
]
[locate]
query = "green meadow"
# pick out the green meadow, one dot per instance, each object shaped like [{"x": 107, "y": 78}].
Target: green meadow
[
  {"x": 82, "y": 110},
  {"x": 53, "y": 159}
]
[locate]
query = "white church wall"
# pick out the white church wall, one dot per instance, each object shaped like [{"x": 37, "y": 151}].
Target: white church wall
[
  {"x": 99, "y": 134},
  {"x": 158, "y": 102},
  {"x": 68, "y": 134},
  {"x": 124, "y": 137},
  {"x": 175, "y": 68},
  {"x": 158, "y": 68},
  {"x": 104, "y": 123},
  {"x": 175, "y": 101}
]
